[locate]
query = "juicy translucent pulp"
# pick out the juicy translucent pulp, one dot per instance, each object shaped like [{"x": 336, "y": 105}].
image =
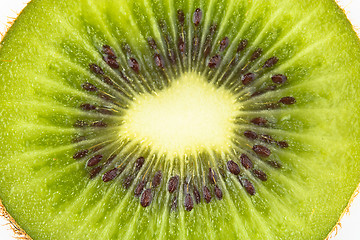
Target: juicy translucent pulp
[{"x": 45, "y": 58}]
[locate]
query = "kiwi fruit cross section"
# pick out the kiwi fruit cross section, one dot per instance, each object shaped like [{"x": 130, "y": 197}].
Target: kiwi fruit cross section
[{"x": 179, "y": 119}]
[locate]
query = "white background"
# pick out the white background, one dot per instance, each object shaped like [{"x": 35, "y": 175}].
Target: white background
[{"x": 350, "y": 224}]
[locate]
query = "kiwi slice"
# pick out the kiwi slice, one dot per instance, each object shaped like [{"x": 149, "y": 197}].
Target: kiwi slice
[{"x": 179, "y": 119}]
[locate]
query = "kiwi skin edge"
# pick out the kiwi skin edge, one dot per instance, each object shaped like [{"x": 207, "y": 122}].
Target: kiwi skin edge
[
  {"x": 346, "y": 211},
  {"x": 18, "y": 232},
  {"x": 21, "y": 234}
]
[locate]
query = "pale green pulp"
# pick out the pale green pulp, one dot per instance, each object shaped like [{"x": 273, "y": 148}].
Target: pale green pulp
[{"x": 44, "y": 59}]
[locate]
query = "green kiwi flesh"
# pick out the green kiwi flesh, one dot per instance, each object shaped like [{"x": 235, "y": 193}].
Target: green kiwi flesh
[{"x": 227, "y": 119}]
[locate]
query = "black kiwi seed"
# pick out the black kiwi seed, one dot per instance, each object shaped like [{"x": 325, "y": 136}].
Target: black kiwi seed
[
  {"x": 250, "y": 135},
  {"x": 128, "y": 181},
  {"x": 104, "y": 96},
  {"x": 283, "y": 144},
  {"x": 266, "y": 138},
  {"x": 107, "y": 50},
  {"x": 181, "y": 16},
  {"x": 159, "y": 61},
  {"x": 224, "y": 43},
  {"x": 104, "y": 111},
  {"x": 140, "y": 187},
  {"x": 94, "y": 160},
  {"x": 247, "y": 78},
  {"x": 139, "y": 163},
  {"x": 269, "y": 106},
  {"x": 126, "y": 48},
  {"x": 111, "y": 62},
  {"x": 89, "y": 87},
  {"x": 212, "y": 176},
  {"x": 87, "y": 107},
  {"x": 222, "y": 172},
  {"x": 134, "y": 65},
  {"x": 207, "y": 50},
  {"x": 80, "y": 124},
  {"x": 256, "y": 54},
  {"x": 287, "y": 100},
  {"x": 95, "y": 171},
  {"x": 259, "y": 121},
  {"x": 261, "y": 151},
  {"x": 242, "y": 45},
  {"x": 213, "y": 29},
  {"x": 218, "y": 192},
  {"x": 97, "y": 148},
  {"x": 96, "y": 69},
  {"x": 80, "y": 154},
  {"x": 182, "y": 46},
  {"x": 196, "y": 43},
  {"x": 260, "y": 174},
  {"x": 188, "y": 202},
  {"x": 157, "y": 179},
  {"x": 208, "y": 45},
  {"x": 146, "y": 198},
  {"x": 110, "y": 175},
  {"x": 274, "y": 164},
  {"x": 279, "y": 78},
  {"x": 270, "y": 88},
  {"x": 233, "y": 167},
  {"x": 214, "y": 61},
  {"x": 99, "y": 124},
  {"x": 152, "y": 43},
  {"x": 196, "y": 195},
  {"x": 207, "y": 194},
  {"x": 79, "y": 139},
  {"x": 173, "y": 183},
  {"x": 246, "y": 162},
  {"x": 257, "y": 93},
  {"x": 249, "y": 187},
  {"x": 197, "y": 17},
  {"x": 270, "y": 62}
]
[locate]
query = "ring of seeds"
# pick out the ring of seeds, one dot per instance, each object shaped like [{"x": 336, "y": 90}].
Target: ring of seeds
[{"x": 211, "y": 68}]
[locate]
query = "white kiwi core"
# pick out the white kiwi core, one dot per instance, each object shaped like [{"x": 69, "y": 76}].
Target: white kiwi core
[{"x": 190, "y": 116}]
